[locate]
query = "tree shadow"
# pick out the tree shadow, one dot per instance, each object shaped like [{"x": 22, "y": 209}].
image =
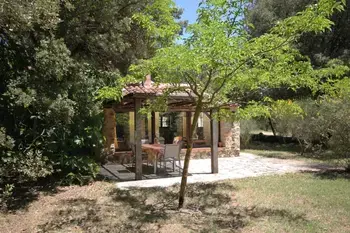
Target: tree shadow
[
  {"x": 330, "y": 174},
  {"x": 25, "y": 193},
  {"x": 210, "y": 207}
]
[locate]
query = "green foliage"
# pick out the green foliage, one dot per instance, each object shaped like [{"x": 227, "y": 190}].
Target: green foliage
[
  {"x": 158, "y": 20},
  {"x": 220, "y": 59},
  {"x": 29, "y": 164},
  {"x": 60, "y": 59},
  {"x": 323, "y": 125},
  {"x": 5, "y": 196},
  {"x": 77, "y": 169},
  {"x": 320, "y": 47},
  {"x": 246, "y": 127},
  {"x": 213, "y": 62}
]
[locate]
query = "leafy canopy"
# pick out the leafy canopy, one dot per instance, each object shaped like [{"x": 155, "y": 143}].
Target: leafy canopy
[
  {"x": 55, "y": 56},
  {"x": 220, "y": 56}
]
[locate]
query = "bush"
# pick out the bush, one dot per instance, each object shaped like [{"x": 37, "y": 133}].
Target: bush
[
  {"x": 77, "y": 169},
  {"x": 247, "y": 126},
  {"x": 324, "y": 125},
  {"x": 5, "y": 196}
]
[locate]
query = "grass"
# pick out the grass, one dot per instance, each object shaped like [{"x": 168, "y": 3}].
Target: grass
[
  {"x": 290, "y": 203},
  {"x": 275, "y": 154},
  {"x": 327, "y": 158},
  {"x": 291, "y": 151}
]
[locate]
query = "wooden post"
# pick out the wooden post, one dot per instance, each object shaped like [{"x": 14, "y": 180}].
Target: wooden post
[
  {"x": 109, "y": 129},
  {"x": 214, "y": 142},
  {"x": 188, "y": 126},
  {"x": 138, "y": 148},
  {"x": 153, "y": 127}
]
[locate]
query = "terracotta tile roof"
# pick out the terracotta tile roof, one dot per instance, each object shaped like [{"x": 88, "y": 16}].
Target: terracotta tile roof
[
  {"x": 141, "y": 89},
  {"x": 148, "y": 87}
]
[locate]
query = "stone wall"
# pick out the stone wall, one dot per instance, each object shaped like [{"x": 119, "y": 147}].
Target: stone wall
[{"x": 230, "y": 137}]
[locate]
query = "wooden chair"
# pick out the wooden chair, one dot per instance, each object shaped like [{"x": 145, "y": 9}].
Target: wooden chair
[{"x": 171, "y": 154}]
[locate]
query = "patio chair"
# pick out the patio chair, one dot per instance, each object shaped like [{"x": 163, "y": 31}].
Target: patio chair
[
  {"x": 133, "y": 149},
  {"x": 171, "y": 154},
  {"x": 179, "y": 141}
]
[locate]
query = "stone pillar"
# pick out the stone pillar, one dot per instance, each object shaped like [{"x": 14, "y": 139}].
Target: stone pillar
[
  {"x": 231, "y": 138},
  {"x": 109, "y": 129}
]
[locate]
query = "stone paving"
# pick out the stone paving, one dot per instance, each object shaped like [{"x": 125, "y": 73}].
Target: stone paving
[{"x": 246, "y": 165}]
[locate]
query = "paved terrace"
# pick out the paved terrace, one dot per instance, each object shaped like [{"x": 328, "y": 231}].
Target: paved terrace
[{"x": 247, "y": 165}]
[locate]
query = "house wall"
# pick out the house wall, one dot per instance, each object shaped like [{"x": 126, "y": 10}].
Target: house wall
[{"x": 230, "y": 137}]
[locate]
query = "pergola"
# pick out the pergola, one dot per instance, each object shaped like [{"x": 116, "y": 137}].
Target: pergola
[{"x": 134, "y": 98}]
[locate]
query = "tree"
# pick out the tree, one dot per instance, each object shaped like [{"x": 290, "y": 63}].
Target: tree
[
  {"x": 55, "y": 56},
  {"x": 320, "y": 47},
  {"x": 324, "y": 49},
  {"x": 220, "y": 55}
]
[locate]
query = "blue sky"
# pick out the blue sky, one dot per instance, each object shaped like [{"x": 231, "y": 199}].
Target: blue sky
[{"x": 190, "y": 7}]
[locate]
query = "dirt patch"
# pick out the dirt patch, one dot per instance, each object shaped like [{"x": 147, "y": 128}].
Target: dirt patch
[
  {"x": 39, "y": 211},
  {"x": 288, "y": 203}
]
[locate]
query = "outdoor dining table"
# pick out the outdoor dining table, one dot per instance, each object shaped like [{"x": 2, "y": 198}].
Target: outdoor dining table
[{"x": 154, "y": 153}]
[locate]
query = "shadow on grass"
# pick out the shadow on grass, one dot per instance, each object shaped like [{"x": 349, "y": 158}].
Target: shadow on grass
[
  {"x": 330, "y": 174},
  {"x": 25, "y": 193},
  {"x": 209, "y": 207}
]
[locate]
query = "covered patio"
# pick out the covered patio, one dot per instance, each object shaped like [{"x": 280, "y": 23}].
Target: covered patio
[{"x": 135, "y": 97}]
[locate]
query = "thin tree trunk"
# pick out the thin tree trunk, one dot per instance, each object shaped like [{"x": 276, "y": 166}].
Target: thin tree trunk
[
  {"x": 302, "y": 148},
  {"x": 272, "y": 128},
  {"x": 188, "y": 156}
]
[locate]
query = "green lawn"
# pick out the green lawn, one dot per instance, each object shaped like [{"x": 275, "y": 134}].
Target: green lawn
[
  {"x": 274, "y": 153},
  {"x": 289, "y": 203},
  {"x": 327, "y": 157}
]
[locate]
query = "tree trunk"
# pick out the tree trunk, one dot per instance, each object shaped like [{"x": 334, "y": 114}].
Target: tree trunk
[
  {"x": 188, "y": 156},
  {"x": 272, "y": 128},
  {"x": 302, "y": 148}
]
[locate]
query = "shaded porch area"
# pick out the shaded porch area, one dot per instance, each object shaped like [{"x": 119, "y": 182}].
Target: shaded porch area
[
  {"x": 142, "y": 131},
  {"x": 115, "y": 170}
]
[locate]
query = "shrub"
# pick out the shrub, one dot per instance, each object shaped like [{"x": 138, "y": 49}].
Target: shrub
[
  {"x": 324, "y": 125},
  {"x": 247, "y": 126}
]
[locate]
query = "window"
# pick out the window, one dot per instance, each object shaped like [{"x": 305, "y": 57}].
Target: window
[
  {"x": 200, "y": 120},
  {"x": 164, "y": 121}
]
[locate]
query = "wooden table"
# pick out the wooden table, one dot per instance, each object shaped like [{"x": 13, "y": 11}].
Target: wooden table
[{"x": 154, "y": 153}]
